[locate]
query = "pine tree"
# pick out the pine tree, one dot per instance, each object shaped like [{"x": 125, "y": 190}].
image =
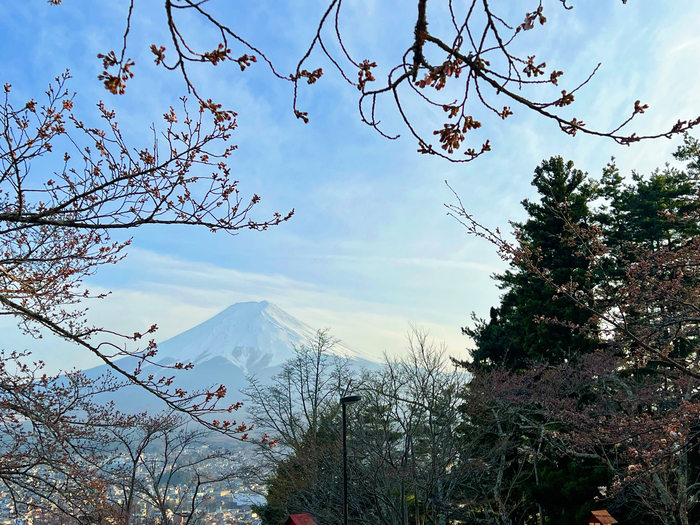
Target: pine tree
[
  {"x": 645, "y": 213},
  {"x": 531, "y": 323}
]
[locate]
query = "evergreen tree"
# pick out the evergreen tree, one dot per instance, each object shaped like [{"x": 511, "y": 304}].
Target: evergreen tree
[
  {"x": 645, "y": 213},
  {"x": 644, "y": 219},
  {"x": 652, "y": 216},
  {"x": 530, "y": 324},
  {"x": 567, "y": 490}
]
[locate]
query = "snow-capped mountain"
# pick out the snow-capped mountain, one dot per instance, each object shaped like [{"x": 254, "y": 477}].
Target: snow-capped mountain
[
  {"x": 245, "y": 338},
  {"x": 251, "y": 336}
]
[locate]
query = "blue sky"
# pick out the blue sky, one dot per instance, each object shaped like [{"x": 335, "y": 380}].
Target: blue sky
[{"x": 370, "y": 247}]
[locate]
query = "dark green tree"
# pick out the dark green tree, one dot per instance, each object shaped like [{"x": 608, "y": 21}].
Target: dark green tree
[
  {"x": 655, "y": 218},
  {"x": 647, "y": 212},
  {"x": 567, "y": 491},
  {"x": 532, "y": 323},
  {"x": 638, "y": 274}
]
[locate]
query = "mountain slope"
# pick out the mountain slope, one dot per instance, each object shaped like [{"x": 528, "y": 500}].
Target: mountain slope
[
  {"x": 245, "y": 338},
  {"x": 251, "y": 336}
]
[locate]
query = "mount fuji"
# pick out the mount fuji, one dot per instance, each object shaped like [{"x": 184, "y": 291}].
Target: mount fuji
[
  {"x": 251, "y": 336},
  {"x": 244, "y": 339}
]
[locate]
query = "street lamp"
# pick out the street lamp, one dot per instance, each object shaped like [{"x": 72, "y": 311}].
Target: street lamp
[{"x": 347, "y": 400}]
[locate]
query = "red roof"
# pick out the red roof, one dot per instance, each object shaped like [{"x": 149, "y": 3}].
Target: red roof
[
  {"x": 300, "y": 519},
  {"x": 602, "y": 516}
]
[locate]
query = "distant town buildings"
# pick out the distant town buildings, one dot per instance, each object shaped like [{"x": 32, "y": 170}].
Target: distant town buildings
[{"x": 218, "y": 505}]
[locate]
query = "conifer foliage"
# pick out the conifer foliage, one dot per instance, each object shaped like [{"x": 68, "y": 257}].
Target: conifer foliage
[
  {"x": 622, "y": 406},
  {"x": 520, "y": 329}
]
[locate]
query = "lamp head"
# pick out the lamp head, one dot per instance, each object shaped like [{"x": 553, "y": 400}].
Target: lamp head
[{"x": 347, "y": 400}]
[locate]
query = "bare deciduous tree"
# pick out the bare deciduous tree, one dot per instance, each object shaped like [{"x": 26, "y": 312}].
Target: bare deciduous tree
[
  {"x": 457, "y": 71},
  {"x": 165, "y": 465},
  {"x": 56, "y": 230}
]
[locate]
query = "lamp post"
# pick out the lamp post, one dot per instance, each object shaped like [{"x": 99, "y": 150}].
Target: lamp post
[{"x": 343, "y": 402}]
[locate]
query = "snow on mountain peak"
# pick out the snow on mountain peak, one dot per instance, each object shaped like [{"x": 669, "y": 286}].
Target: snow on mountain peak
[{"x": 252, "y": 336}]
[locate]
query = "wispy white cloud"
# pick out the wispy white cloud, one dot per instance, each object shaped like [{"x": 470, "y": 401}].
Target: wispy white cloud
[
  {"x": 177, "y": 294},
  {"x": 370, "y": 248}
]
